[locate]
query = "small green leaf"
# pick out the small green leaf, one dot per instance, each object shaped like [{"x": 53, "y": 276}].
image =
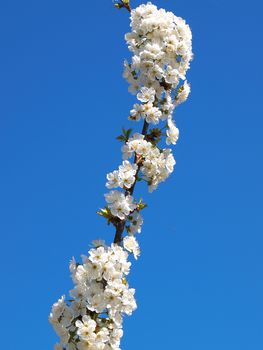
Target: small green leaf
[
  {"x": 125, "y": 135},
  {"x": 120, "y": 138},
  {"x": 141, "y": 205},
  {"x": 105, "y": 212},
  {"x": 118, "y": 6},
  {"x": 128, "y": 133}
]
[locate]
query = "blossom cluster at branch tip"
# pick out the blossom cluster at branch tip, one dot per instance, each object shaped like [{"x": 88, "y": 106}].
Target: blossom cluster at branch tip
[
  {"x": 161, "y": 47},
  {"x": 161, "y": 44}
]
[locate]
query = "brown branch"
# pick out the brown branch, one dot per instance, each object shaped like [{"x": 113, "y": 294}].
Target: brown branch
[
  {"x": 126, "y": 4},
  {"x": 120, "y": 226},
  {"x": 128, "y": 7},
  {"x": 165, "y": 85}
]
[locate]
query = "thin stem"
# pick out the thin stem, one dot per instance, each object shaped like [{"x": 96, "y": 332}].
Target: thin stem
[
  {"x": 120, "y": 226},
  {"x": 127, "y": 5},
  {"x": 123, "y": 4}
]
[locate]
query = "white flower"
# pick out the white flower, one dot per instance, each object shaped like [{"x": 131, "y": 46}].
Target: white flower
[
  {"x": 93, "y": 270},
  {"x": 86, "y": 328},
  {"x": 57, "y": 310},
  {"x": 183, "y": 93},
  {"x": 70, "y": 346},
  {"x": 152, "y": 115},
  {"x": 157, "y": 166},
  {"x": 119, "y": 204},
  {"x": 99, "y": 243},
  {"x": 136, "y": 222},
  {"x": 136, "y": 144},
  {"x": 97, "y": 303},
  {"x": 130, "y": 244},
  {"x": 124, "y": 177},
  {"x": 172, "y": 76},
  {"x": 127, "y": 172},
  {"x": 113, "y": 179},
  {"x": 172, "y": 133},
  {"x": 146, "y": 94},
  {"x": 62, "y": 332},
  {"x": 110, "y": 272},
  {"x": 169, "y": 160},
  {"x": 129, "y": 303},
  {"x": 84, "y": 345},
  {"x": 136, "y": 112},
  {"x": 67, "y": 317},
  {"x": 72, "y": 265},
  {"x": 102, "y": 336},
  {"x": 98, "y": 255},
  {"x": 79, "y": 308}
]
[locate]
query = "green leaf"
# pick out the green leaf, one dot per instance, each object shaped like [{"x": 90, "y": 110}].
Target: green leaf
[
  {"x": 105, "y": 212},
  {"x": 120, "y": 138},
  {"x": 128, "y": 133},
  {"x": 141, "y": 205},
  {"x": 125, "y": 135},
  {"x": 139, "y": 178},
  {"x": 118, "y": 6}
]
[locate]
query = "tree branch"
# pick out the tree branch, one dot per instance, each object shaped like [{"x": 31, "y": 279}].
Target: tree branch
[{"x": 120, "y": 226}]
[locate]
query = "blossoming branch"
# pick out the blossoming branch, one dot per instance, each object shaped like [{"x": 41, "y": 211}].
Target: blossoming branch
[{"x": 161, "y": 47}]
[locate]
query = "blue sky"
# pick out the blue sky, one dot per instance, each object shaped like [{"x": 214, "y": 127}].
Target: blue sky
[{"x": 63, "y": 100}]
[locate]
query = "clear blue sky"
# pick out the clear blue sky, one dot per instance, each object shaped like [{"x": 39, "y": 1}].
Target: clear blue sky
[{"x": 63, "y": 100}]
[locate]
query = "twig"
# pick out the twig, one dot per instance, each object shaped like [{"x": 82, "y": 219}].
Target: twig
[
  {"x": 120, "y": 226},
  {"x": 124, "y": 4}
]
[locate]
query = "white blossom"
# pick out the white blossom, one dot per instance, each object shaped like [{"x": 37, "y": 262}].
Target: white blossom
[
  {"x": 135, "y": 223},
  {"x": 119, "y": 204},
  {"x": 106, "y": 294},
  {"x": 146, "y": 94},
  {"x": 183, "y": 93},
  {"x": 58, "y": 347},
  {"x": 124, "y": 177},
  {"x": 156, "y": 165},
  {"x": 136, "y": 144},
  {"x": 161, "y": 44},
  {"x": 86, "y": 328},
  {"x": 172, "y": 133},
  {"x": 131, "y": 244},
  {"x": 137, "y": 112}
]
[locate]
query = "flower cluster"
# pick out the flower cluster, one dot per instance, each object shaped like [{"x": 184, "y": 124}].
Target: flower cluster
[
  {"x": 156, "y": 165},
  {"x": 92, "y": 319},
  {"x": 124, "y": 177},
  {"x": 119, "y": 204},
  {"x": 161, "y": 46}
]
